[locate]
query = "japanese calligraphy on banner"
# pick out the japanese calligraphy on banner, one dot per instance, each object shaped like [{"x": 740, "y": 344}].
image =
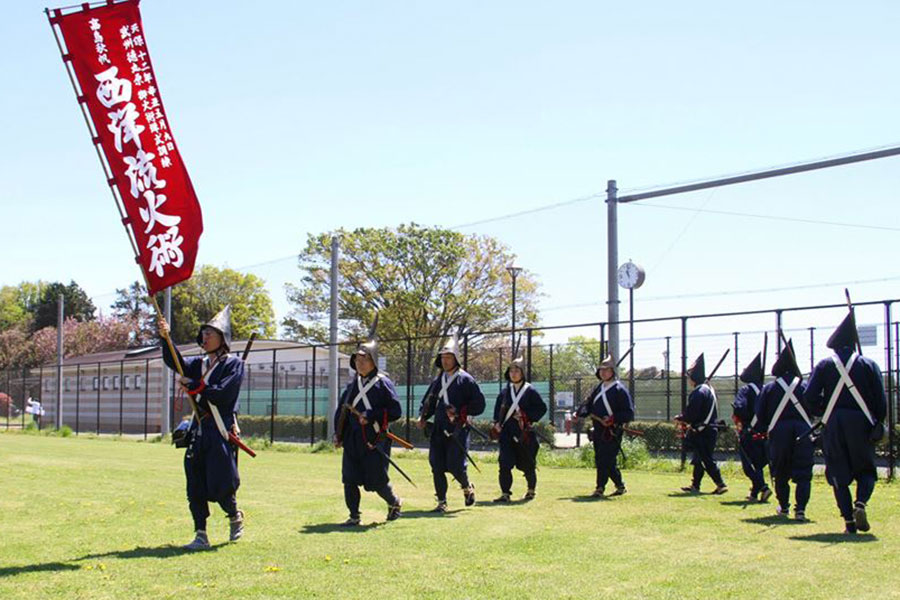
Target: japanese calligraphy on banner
[{"x": 108, "y": 51}]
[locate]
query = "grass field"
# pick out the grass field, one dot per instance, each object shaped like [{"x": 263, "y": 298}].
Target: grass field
[{"x": 100, "y": 518}]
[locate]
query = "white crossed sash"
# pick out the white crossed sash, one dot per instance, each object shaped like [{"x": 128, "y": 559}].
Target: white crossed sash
[
  {"x": 844, "y": 373},
  {"x": 445, "y": 385},
  {"x": 754, "y": 420},
  {"x": 362, "y": 395},
  {"x": 601, "y": 395},
  {"x": 516, "y": 397},
  {"x": 788, "y": 396},
  {"x": 712, "y": 406},
  {"x": 213, "y": 409}
]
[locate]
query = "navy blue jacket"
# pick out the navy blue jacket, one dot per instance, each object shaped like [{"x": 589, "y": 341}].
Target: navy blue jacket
[
  {"x": 771, "y": 397},
  {"x": 531, "y": 405},
  {"x": 697, "y": 407},
  {"x": 745, "y": 402},
  {"x": 464, "y": 394},
  {"x": 224, "y": 382},
  {"x": 619, "y": 401},
  {"x": 865, "y": 375}
]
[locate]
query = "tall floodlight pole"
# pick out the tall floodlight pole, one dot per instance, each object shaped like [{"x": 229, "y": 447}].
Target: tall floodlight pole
[
  {"x": 165, "y": 424},
  {"x": 513, "y": 272},
  {"x": 612, "y": 266}
]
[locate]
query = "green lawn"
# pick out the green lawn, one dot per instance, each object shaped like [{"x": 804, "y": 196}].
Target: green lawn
[{"x": 87, "y": 518}]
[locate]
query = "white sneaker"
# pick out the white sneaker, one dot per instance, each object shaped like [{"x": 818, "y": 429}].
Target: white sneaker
[{"x": 201, "y": 542}]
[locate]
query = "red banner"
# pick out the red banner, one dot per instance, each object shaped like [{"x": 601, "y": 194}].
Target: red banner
[{"x": 108, "y": 53}]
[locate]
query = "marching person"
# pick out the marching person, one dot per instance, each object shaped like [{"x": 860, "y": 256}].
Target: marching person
[
  {"x": 610, "y": 408},
  {"x": 367, "y": 406},
  {"x": 518, "y": 406},
  {"x": 752, "y": 444},
  {"x": 210, "y": 461},
  {"x": 849, "y": 388},
  {"x": 701, "y": 430},
  {"x": 783, "y": 416},
  {"x": 452, "y": 398}
]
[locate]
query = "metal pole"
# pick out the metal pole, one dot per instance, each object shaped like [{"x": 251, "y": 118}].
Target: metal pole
[
  {"x": 409, "y": 385},
  {"x": 612, "y": 265},
  {"x": 890, "y": 383},
  {"x": 146, "y": 394},
  {"x": 9, "y": 399},
  {"x": 121, "y": 393},
  {"x": 99, "y": 387},
  {"x": 812, "y": 348},
  {"x": 60, "y": 320},
  {"x": 167, "y": 409},
  {"x": 737, "y": 366},
  {"x": 528, "y": 338},
  {"x": 631, "y": 341},
  {"x": 512, "y": 340},
  {"x": 465, "y": 351},
  {"x": 333, "y": 338},
  {"x": 575, "y": 403},
  {"x": 684, "y": 389},
  {"x": 778, "y": 331},
  {"x": 312, "y": 421},
  {"x": 41, "y": 396},
  {"x": 77, "y": 397},
  {"x": 552, "y": 391},
  {"x": 668, "y": 379},
  {"x": 892, "y": 415},
  {"x": 272, "y": 398}
]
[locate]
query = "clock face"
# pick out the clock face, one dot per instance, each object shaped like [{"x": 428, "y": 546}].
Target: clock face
[{"x": 630, "y": 275}]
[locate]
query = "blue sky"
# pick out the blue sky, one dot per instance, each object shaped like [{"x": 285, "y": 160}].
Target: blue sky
[{"x": 302, "y": 117}]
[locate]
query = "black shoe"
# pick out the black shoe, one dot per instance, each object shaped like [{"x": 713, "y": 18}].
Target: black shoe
[
  {"x": 691, "y": 489},
  {"x": 441, "y": 507},
  {"x": 800, "y": 515},
  {"x": 353, "y": 521},
  {"x": 236, "y": 526},
  {"x": 859, "y": 517},
  {"x": 720, "y": 489},
  {"x": 849, "y": 527},
  {"x": 765, "y": 495},
  {"x": 394, "y": 510},
  {"x": 620, "y": 491},
  {"x": 503, "y": 498},
  {"x": 529, "y": 496},
  {"x": 469, "y": 494}
]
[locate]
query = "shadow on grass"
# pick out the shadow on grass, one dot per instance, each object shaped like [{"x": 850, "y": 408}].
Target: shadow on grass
[
  {"x": 338, "y": 528},
  {"x": 491, "y": 504},
  {"x": 41, "y": 568},
  {"x": 167, "y": 551},
  {"x": 680, "y": 494},
  {"x": 835, "y": 538},
  {"x": 773, "y": 520},
  {"x": 742, "y": 503},
  {"x": 427, "y": 514},
  {"x": 585, "y": 499}
]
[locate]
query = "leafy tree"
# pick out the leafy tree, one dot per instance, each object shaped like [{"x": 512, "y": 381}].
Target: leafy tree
[
  {"x": 423, "y": 283},
  {"x": 198, "y": 299},
  {"x": 13, "y": 312},
  {"x": 77, "y": 305},
  {"x": 133, "y": 305}
]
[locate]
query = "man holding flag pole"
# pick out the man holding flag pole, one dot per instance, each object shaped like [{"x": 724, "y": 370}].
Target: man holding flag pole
[{"x": 104, "y": 49}]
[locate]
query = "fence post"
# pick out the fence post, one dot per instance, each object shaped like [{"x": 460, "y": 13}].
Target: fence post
[
  {"x": 576, "y": 402},
  {"x": 683, "y": 378},
  {"x": 77, "y": 397},
  {"x": 9, "y": 397},
  {"x": 272, "y": 398},
  {"x": 668, "y": 379},
  {"x": 99, "y": 386},
  {"x": 890, "y": 392},
  {"x": 778, "y": 332},
  {"x": 312, "y": 422},
  {"x": 121, "y": 393},
  {"x": 812, "y": 348},
  {"x": 465, "y": 351},
  {"x": 737, "y": 366},
  {"x": 409, "y": 384},
  {"x": 552, "y": 391},
  {"x": 146, "y": 395},
  {"x": 41, "y": 397},
  {"x": 24, "y": 394},
  {"x": 528, "y": 338}
]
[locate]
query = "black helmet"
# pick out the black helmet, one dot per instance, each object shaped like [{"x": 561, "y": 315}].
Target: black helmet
[{"x": 697, "y": 371}]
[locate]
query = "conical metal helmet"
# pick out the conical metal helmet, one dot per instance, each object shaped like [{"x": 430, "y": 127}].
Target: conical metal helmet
[
  {"x": 786, "y": 364},
  {"x": 753, "y": 373},
  {"x": 451, "y": 347},
  {"x": 697, "y": 371},
  {"x": 369, "y": 348},
  {"x": 518, "y": 363},
  {"x": 221, "y": 323},
  {"x": 607, "y": 363},
  {"x": 845, "y": 335}
]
